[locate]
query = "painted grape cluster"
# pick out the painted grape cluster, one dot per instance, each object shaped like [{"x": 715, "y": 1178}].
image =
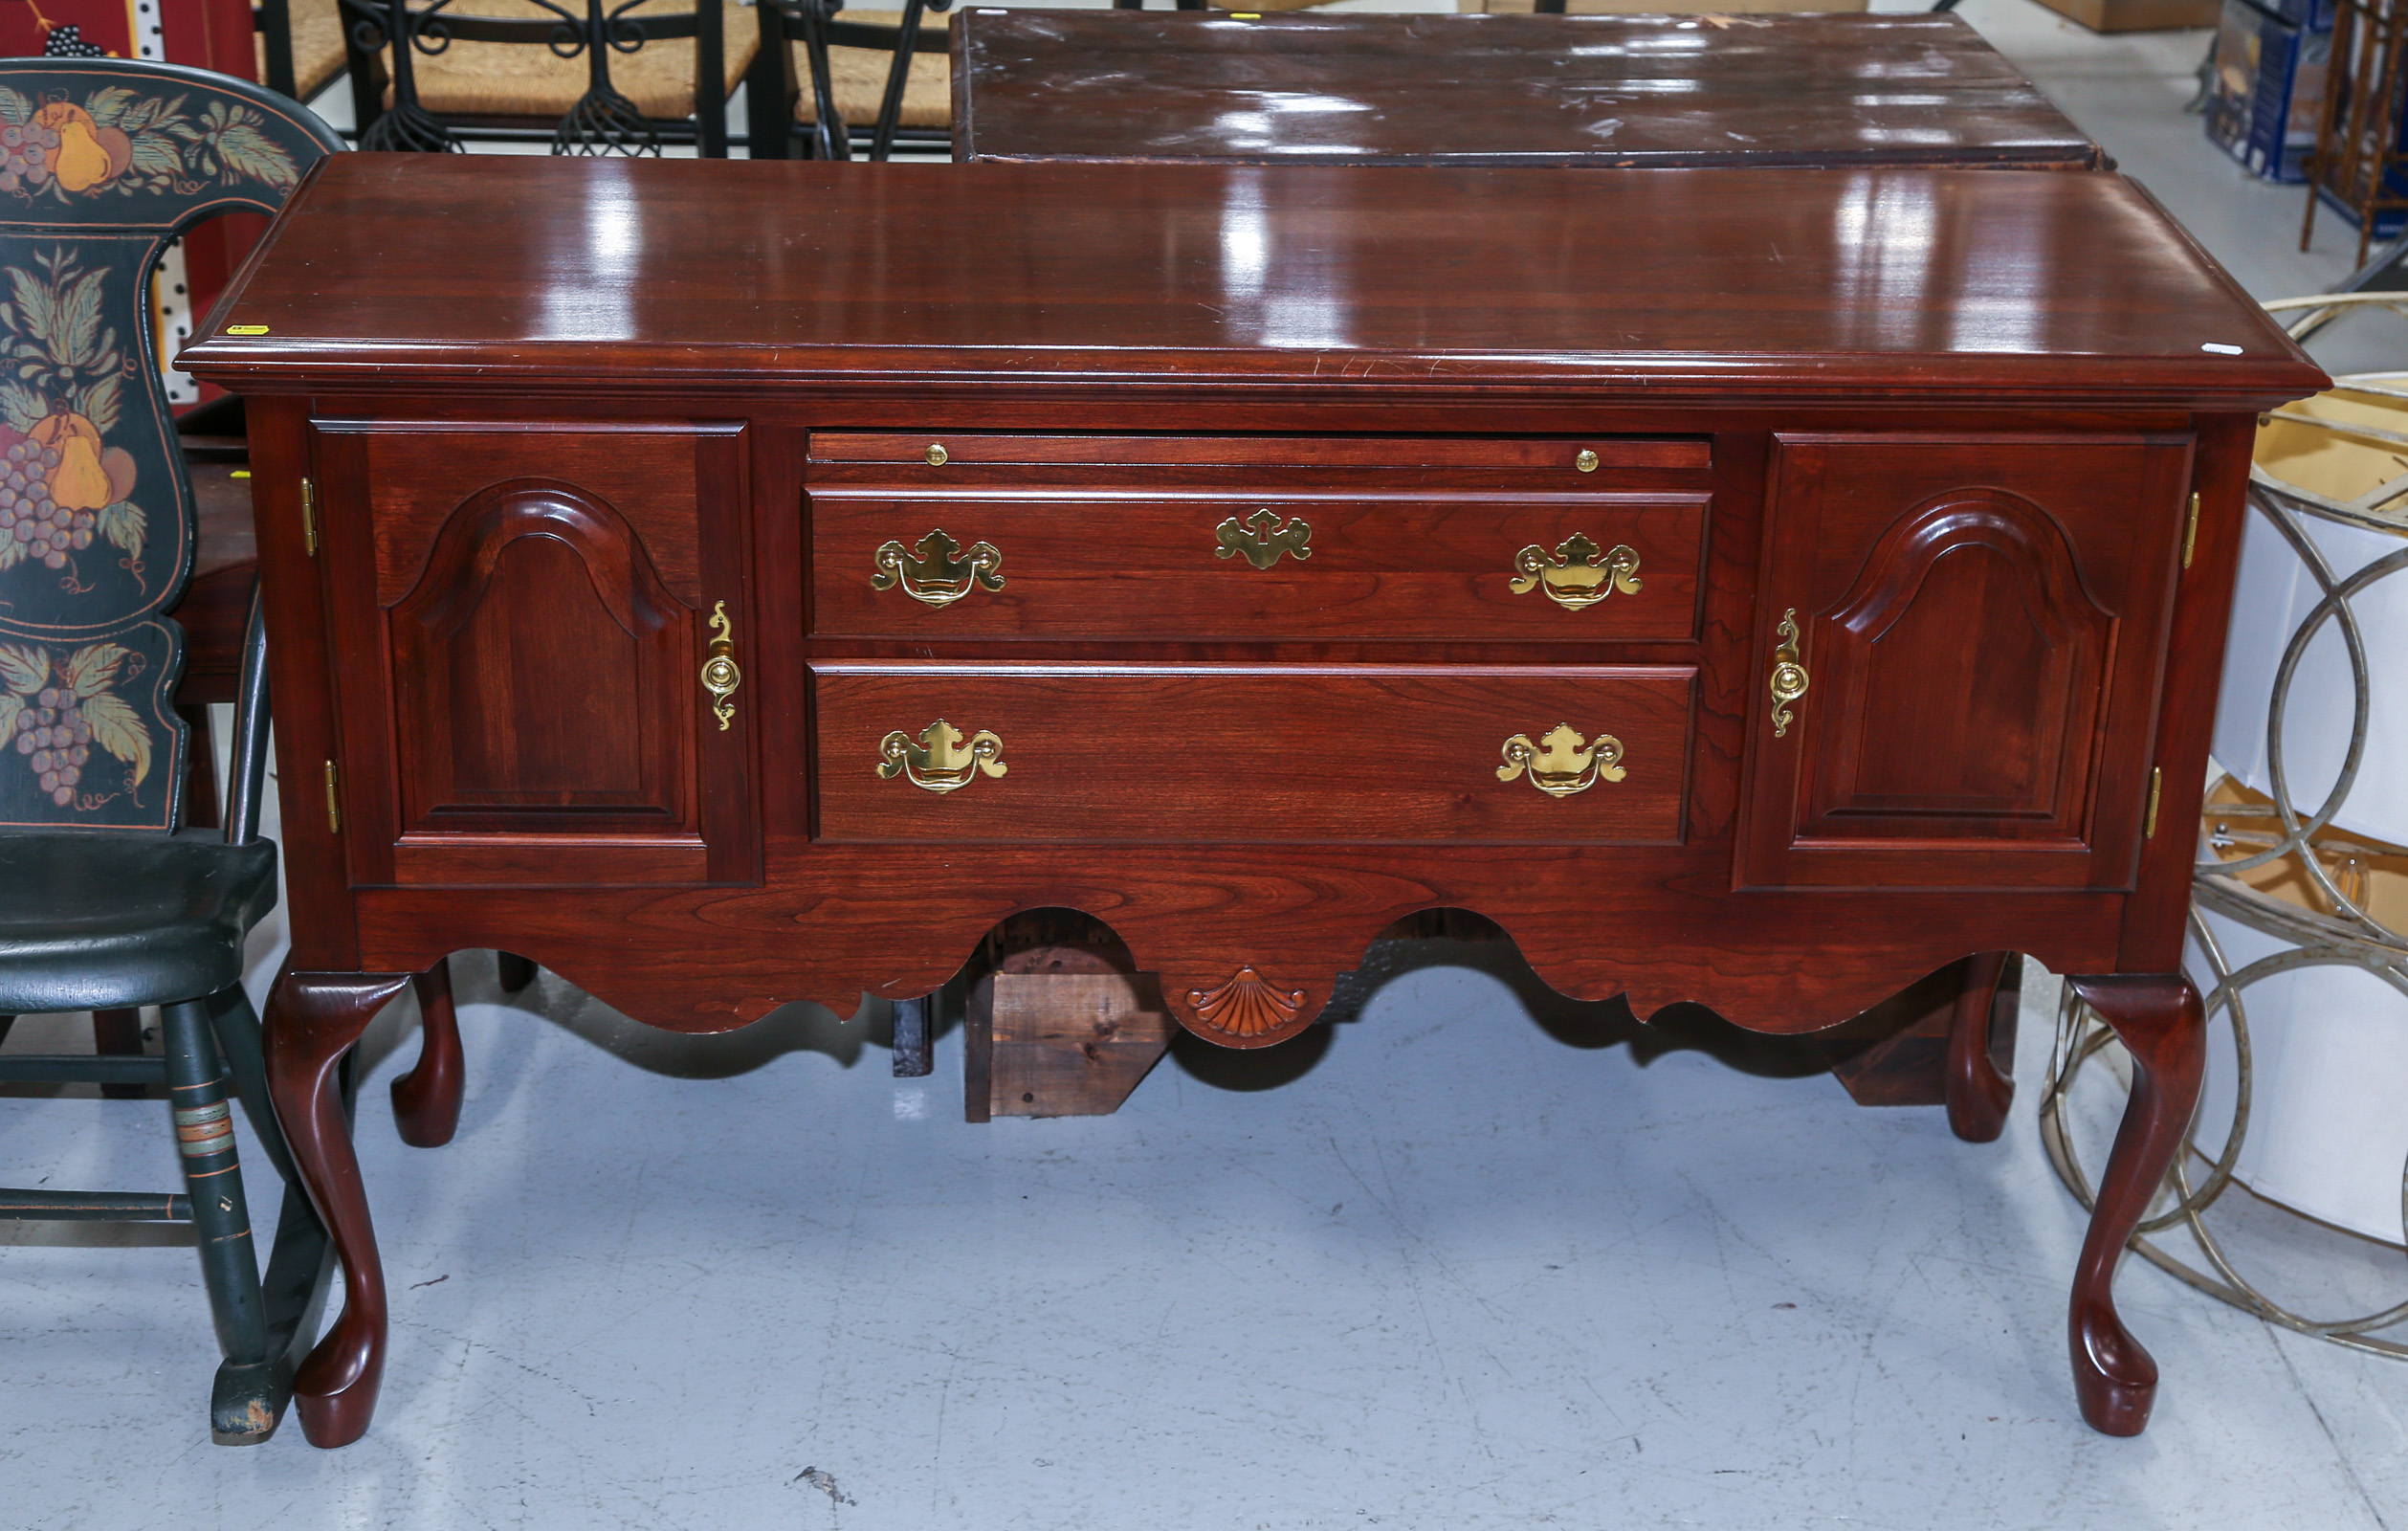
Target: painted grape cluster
[
  {"x": 28, "y": 156},
  {"x": 58, "y": 736},
  {"x": 29, "y": 516},
  {"x": 58, "y": 712}
]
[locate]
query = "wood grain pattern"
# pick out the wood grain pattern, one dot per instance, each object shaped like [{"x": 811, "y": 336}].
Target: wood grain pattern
[{"x": 1604, "y": 91}]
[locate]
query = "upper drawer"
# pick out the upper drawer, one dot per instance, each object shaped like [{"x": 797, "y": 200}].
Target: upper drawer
[{"x": 1521, "y": 539}]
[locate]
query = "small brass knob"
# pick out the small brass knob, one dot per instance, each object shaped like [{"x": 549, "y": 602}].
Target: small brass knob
[
  {"x": 938, "y": 454},
  {"x": 1586, "y": 461}
]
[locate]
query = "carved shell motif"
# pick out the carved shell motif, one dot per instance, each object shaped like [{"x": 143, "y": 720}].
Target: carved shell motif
[{"x": 1248, "y": 1005}]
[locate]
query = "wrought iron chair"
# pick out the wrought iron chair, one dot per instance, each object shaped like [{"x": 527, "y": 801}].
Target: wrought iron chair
[
  {"x": 884, "y": 69},
  {"x": 106, "y": 901},
  {"x": 432, "y": 75},
  {"x": 299, "y": 46}
]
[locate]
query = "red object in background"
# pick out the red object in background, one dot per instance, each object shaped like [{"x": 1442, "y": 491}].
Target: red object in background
[{"x": 25, "y": 25}]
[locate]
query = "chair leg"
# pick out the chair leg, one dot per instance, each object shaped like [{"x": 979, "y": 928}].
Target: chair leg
[
  {"x": 515, "y": 971},
  {"x": 243, "y": 1405},
  {"x": 1979, "y": 1096},
  {"x": 314, "y": 1021},
  {"x": 427, "y": 1099},
  {"x": 118, "y": 1034}
]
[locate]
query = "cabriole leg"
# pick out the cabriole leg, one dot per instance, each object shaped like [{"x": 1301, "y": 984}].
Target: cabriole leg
[
  {"x": 1977, "y": 1092},
  {"x": 427, "y": 1099},
  {"x": 2161, "y": 1024},
  {"x": 314, "y": 1019}
]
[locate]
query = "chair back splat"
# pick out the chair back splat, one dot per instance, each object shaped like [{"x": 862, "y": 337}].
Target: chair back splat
[{"x": 101, "y": 164}]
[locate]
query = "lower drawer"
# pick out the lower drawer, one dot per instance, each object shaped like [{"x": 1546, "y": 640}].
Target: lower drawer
[{"x": 1518, "y": 754}]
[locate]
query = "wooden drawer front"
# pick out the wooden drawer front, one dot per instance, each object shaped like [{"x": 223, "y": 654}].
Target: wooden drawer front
[
  {"x": 1447, "y": 565},
  {"x": 520, "y": 695},
  {"x": 1185, "y": 754}
]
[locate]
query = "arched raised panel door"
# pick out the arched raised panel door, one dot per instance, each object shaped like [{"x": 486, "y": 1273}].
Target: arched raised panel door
[
  {"x": 523, "y": 701},
  {"x": 1980, "y": 622}
]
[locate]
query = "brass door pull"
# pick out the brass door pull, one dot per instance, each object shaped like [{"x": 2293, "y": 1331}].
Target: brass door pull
[
  {"x": 1789, "y": 680},
  {"x": 1579, "y": 573},
  {"x": 719, "y": 675},
  {"x": 1562, "y": 763},
  {"x": 942, "y": 760},
  {"x": 935, "y": 571},
  {"x": 1270, "y": 538}
]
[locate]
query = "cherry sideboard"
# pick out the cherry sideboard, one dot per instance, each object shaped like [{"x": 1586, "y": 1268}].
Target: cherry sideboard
[{"x": 733, "y": 583}]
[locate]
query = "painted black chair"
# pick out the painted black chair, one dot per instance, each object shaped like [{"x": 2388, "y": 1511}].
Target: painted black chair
[{"x": 108, "y": 901}]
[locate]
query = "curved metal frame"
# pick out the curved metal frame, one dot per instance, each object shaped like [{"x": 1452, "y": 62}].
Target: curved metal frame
[
  {"x": 601, "y": 121},
  {"x": 2347, "y": 936}
]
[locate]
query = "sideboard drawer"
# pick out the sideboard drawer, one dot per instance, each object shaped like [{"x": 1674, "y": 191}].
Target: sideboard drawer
[
  {"x": 1463, "y": 566},
  {"x": 939, "y": 459},
  {"x": 1054, "y": 753}
]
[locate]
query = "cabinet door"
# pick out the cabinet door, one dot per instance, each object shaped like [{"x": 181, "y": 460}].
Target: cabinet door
[
  {"x": 522, "y": 615},
  {"x": 1982, "y": 621}
]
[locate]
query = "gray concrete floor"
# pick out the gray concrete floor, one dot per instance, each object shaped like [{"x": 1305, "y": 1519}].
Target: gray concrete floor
[{"x": 1472, "y": 1259}]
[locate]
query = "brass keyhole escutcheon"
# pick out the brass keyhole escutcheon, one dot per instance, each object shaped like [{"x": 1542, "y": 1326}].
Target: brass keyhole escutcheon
[
  {"x": 1562, "y": 763},
  {"x": 1586, "y": 461},
  {"x": 937, "y": 454},
  {"x": 942, "y": 759},
  {"x": 935, "y": 571},
  {"x": 1579, "y": 573},
  {"x": 1789, "y": 680},
  {"x": 1270, "y": 537},
  {"x": 719, "y": 675}
]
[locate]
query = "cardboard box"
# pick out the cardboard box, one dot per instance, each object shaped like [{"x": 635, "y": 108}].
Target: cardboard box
[{"x": 2268, "y": 93}]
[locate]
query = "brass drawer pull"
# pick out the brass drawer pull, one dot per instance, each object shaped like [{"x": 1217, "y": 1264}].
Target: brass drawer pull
[
  {"x": 1562, "y": 763},
  {"x": 1574, "y": 577},
  {"x": 1789, "y": 680},
  {"x": 942, "y": 761},
  {"x": 937, "y": 573},
  {"x": 719, "y": 675},
  {"x": 1271, "y": 539}
]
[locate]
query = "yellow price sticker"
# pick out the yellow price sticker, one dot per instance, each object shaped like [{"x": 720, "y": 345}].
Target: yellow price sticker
[{"x": 246, "y": 329}]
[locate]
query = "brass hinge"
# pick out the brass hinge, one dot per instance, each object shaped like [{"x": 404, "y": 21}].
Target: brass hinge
[
  {"x": 334, "y": 802},
  {"x": 309, "y": 518},
  {"x": 2191, "y": 532},
  {"x": 2148, "y": 825}
]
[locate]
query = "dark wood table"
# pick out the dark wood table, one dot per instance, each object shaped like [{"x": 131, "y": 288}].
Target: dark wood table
[
  {"x": 1640, "y": 91},
  {"x": 751, "y": 581}
]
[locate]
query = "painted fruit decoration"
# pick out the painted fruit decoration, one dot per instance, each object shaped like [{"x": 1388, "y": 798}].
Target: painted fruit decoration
[
  {"x": 118, "y": 140},
  {"x": 63, "y": 486},
  {"x": 64, "y": 719}
]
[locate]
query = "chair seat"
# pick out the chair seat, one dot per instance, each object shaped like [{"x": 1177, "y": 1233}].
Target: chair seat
[
  {"x": 856, "y": 76},
  {"x": 93, "y": 920},
  {"x": 317, "y": 55},
  {"x": 523, "y": 79}
]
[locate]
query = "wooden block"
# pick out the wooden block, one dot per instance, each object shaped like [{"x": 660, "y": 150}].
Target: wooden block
[
  {"x": 1061, "y": 1044},
  {"x": 1907, "y": 1065},
  {"x": 2137, "y": 15}
]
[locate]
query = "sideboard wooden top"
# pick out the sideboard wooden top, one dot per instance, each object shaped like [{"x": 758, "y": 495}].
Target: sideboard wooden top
[
  {"x": 1358, "y": 89},
  {"x": 505, "y": 272}
]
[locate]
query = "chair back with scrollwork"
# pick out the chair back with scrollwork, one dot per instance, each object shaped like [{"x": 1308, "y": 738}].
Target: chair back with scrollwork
[
  {"x": 101, "y": 164},
  {"x": 474, "y": 91}
]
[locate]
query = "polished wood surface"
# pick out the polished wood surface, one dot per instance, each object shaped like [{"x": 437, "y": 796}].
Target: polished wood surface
[
  {"x": 896, "y": 280},
  {"x": 1621, "y": 90},
  {"x": 1953, "y": 421}
]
